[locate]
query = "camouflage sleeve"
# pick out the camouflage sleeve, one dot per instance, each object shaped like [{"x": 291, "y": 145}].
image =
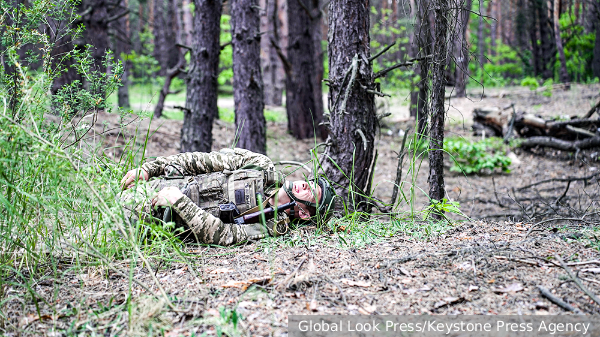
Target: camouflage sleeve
[
  {"x": 199, "y": 162},
  {"x": 211, "y": 230}
]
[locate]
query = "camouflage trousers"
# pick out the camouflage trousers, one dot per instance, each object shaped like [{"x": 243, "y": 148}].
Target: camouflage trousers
[{"x": 201, "y": 226}]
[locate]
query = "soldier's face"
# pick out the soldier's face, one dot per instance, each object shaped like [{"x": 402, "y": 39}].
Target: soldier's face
[{"x": 305, "y": 191}]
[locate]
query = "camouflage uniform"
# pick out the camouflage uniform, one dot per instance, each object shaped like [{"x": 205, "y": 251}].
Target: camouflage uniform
[{"x": 204, "y": 226}]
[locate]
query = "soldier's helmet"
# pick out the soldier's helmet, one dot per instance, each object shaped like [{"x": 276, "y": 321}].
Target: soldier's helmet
[{"x": 324, "y": 206}]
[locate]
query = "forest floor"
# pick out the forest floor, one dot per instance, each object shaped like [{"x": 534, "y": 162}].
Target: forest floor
[{"x": 489, "y": 264}]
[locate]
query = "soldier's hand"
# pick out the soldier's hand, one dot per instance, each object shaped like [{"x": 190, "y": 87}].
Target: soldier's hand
[
  {"x": 130, "y": 177},
  {"x": 167, "y": 196}
]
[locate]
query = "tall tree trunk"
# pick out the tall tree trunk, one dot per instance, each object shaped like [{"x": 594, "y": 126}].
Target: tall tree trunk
[
  {"x": 461, "y": 49},
  {"x": 563, "y": 74},
  {"x": 494, "y": 5},
  {"x": 161, "y": 46},
  {"x": 188, "y": 22},
  {"x": 247, "y": 79},
  {"x": 421, "y": 47},
  {"x": 300, "y": 91},
  {"x": 348, "y": 157},
  {"x": 596, "y": 58},
  {"x": 123, "y": 46},
  {"x": 270, "y": 25},
  {"x": 548, "y": 42},
  {"x": 440, "y": 60},
  {"x": 480, "y": 41},
  {"x": 317, "y": 35},
  {"x": 202, "y": 85},
  {"x": 533, "y": 33}
]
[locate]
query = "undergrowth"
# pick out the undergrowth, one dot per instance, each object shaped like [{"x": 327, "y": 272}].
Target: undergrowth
[{"x": 60, "y": 211}]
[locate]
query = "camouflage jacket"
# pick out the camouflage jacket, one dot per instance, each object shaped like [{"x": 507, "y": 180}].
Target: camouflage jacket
[{"x": 203, "y": 225}]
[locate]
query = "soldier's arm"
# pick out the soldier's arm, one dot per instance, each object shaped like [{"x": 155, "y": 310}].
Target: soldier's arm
[{"x": 199, "y": 162}]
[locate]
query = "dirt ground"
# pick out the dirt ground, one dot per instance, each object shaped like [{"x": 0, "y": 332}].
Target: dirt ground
[{"x": 491, "y": 264}]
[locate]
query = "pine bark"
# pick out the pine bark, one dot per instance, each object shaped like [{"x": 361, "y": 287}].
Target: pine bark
[
  {"x": 563, "y": 74},
  {"x": 494, "y": 25},
  {"x": 480, "y": 41},
  {"x": 461, "y": 49},
  {"x": 421, "y": 47},
  {"x": 247, "y": 78},
  {"x": 548, "y": 46},
  {"x": 317, "y": 35},
  {"x": 122, "y": 45},
  {"x": 161, "y": 48},
  {"x": 270, "y": 25},
  {"x": 300, "y": 91},
  {"x": 441, "y": 10},
  {"x": 353, "y": 120},
  {"x": 202, "y": 85},
  {"x": 596, "y": 58}
]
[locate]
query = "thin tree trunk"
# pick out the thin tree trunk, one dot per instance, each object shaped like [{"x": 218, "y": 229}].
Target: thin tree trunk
[
  {"x": 188, "y": 22},
  {"x": 461, "y": 50},
  {"x": 348, "y": 157},
  {"x": 421, "y": 47},
  {"x": 161, "y": 48},
  {"x": 247, "y": 79},
  {"x": 548, "y": 42},
  {"x": 317, "y": 35},
  {"x": 480, "y": 41},
  {"x": 494, "y": 26},
  {"x": 424, "y": 87},
  {"x": 438, "y": 111},
  {"x": 202, "y": 85},
  {"x": 300, "y": 92},
  {"x": 563, "y": 74},
  {"x": 269, "y": 23},
  {"x": 596, "y": 58},
  {"x": 123, "y": 46}
]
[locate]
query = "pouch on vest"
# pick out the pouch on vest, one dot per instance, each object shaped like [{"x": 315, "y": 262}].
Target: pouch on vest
[{"x": 210, "y": 190}]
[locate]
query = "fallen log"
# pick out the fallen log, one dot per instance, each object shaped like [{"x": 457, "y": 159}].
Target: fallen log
[
  {"x": 562, "y": 144},
  {"x": 499, "y": 122}
]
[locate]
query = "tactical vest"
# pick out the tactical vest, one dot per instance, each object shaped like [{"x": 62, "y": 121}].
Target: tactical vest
[{"x": 210, "y": 190}]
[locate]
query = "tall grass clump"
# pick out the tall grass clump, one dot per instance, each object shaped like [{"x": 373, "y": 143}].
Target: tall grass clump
[{"x": 58, "y": 190}]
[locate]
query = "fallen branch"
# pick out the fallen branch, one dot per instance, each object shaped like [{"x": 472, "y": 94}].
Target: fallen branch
[
  {"x": 560, "y": 179},
  {"x": 576, "y": 280},
  {"x": 546, "y": 293},
  {"x": 592, "y": 110},
  {"x": 288, "y": 279},
  {"x": 562, "y": 144}
]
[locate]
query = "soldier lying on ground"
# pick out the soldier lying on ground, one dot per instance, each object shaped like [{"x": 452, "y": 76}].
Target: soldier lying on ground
[{"x": 195, "y": 186}]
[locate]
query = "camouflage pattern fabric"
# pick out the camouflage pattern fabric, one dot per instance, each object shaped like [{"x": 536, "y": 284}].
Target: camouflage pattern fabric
[
  {"x": 202, "y": 225},
  {"x": 194, "y": 163}
]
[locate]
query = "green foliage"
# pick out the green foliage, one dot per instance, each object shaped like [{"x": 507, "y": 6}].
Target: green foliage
[
  {"x": 474, "y": 157},
  {"x": 579, "y": 50},
  {"x": 226, "y": 56},
  {"x": 442, "y": 207},
  {"x": 58, "y": 187},
  {"x": 530, "y": 82},
  {"x": 503, "y": 68},
  {"x": 143, "y": 64},
  {"x": 386, "y": 30},
  {"x": 548, "y": 87}
]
